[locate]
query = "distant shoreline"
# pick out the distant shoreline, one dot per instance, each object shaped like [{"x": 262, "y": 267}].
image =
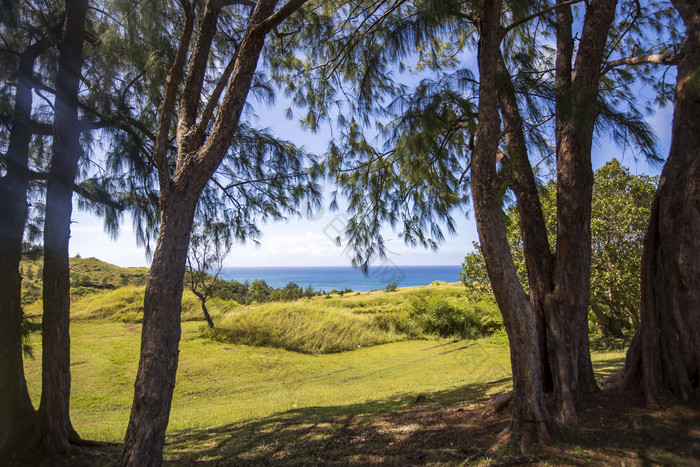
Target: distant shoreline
[{"x": 344, "y": 277}]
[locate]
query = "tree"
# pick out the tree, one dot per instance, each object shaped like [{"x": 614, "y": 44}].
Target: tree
[
  {"x": 55, "y": 429},
  {"x": 530, "y": 416},
  {"x": 419, "y": 170},
  {"x": 664, "y": 357},
  {"x": 258, "y": 291},
  {"x": 16, "y": 410},
  {"x": 620, "y": 213},
  {"x": 205, "y": 260},
  {"x": 204, "y": 132}
]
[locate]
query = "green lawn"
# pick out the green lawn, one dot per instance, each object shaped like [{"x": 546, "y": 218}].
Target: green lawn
[{"x": 220, "y": 383}]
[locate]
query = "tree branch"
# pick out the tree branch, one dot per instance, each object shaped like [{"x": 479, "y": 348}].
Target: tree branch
[
  {"x": 280, "y": 15},
  {"x": 100, "y": 197},
  {"x": 524, "y": 20},
  {"x": 189, "y": 103},
  {"x": 172, "y": 83},
  {"x": 215, "y": 96},
  {"x": 668, "y": 59}
]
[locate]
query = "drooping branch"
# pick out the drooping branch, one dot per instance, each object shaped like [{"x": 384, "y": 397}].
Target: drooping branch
[{"x": 524, "y": 20}]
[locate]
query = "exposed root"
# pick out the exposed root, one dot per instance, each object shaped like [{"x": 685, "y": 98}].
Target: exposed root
[{"x": 498, "y": 403}]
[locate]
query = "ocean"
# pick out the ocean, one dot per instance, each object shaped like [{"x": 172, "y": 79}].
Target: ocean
[{"x": 340, "y": 278}]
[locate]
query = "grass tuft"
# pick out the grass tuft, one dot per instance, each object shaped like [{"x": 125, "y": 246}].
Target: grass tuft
[{"x": 300, "y": 327}]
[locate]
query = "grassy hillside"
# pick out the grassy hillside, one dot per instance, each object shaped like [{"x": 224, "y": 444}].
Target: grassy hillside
[
  {"x": 88, "y": 275},
  {"x": 319, "y": 324},
  {"x": 239, "y": 404},
  {"x": 344, "y": 322}
]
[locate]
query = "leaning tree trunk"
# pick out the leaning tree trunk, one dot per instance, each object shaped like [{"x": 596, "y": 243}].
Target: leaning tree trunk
[
  {"x": 530, "y": 417},
  {"x": 55, "y": 429},
  {"x": 16, "y": 410},
  {"x": 203, "y": 301},
  {"x": 665, "y": 353},
  {"x": 155, "y": 380},
  {"x": 538, "y": 256},
  {"x": 198, "y": 159}
]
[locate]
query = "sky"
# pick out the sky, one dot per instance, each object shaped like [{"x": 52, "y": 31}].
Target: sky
[{"x": 311, "y": 241}]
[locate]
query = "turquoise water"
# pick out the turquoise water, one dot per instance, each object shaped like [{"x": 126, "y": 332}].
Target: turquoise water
[{"x": 341, "y": 278}]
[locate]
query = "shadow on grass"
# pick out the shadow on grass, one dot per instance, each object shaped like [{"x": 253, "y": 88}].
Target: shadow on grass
[{"x": 405, "y": 429}]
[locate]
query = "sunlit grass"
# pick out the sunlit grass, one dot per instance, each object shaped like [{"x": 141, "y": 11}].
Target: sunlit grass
[
  {"x": 223, "y": 383},
  {"x": 220, "y": 383},
  {"x": 300, "y": 326}
]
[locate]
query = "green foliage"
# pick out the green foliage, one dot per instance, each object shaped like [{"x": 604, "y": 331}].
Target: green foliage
[
  {"x": 258, "y": 291},
  {"x": 391, "y": 287},
  {"x": 429, "y": 314},
  {"x": 620, "y": 214}
]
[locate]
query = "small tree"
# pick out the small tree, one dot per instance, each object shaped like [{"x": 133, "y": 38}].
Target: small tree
[
  {"x": 258, "y": 291},
  {"x": 205, "y": 259}
]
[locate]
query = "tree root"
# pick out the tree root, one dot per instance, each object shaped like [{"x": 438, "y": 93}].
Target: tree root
[{"x": 498, "y": 404}]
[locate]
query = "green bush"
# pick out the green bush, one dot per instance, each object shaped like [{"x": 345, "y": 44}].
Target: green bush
[{"x": 443, "y": 316}]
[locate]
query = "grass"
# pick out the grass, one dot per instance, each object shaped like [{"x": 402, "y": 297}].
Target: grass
[
  {"x": 393, "y": 399},
  {"x": 301, "y": 327},
  {"x": 88, "y": 275},
  {"x": 220, "y": 384},
  {"x": 351, "y": 320}
]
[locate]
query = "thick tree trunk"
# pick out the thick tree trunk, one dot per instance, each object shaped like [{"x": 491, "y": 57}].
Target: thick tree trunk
[
  {"x": 665, "y": 354},
  {"x": 566, "y": 307},
  {"x": 16, "y": 410},
  {"x": 530, "y": 417},
  {"x": 155, "y": 380},
  {"x": 55, "y": 429}
]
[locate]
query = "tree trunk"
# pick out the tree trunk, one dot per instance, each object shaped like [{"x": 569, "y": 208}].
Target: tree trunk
[
  {"x": 55, "y": 429},
  {"x": 16, "y": 410},
  {"x": 530, "y": 417},
  {"x": 155, "y": 380},
  {"x": 203, "y": 301},
  {"x": 665, "y": 354},
  {"x": 609, "y": 325},
  {"x": 576, "y": 110},
  {"x": 538, "y": 256}
]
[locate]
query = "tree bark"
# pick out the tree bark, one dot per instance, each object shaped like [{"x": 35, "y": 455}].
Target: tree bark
[
  {"x": 664, "y": 358},
  {"x": 530, "y": 417},
  {"x": 54, "y": 429},
  {"x": 16, "y": 410},
  {"x": 203, "y": 300},
  {"x": 155, "y": 380}
]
